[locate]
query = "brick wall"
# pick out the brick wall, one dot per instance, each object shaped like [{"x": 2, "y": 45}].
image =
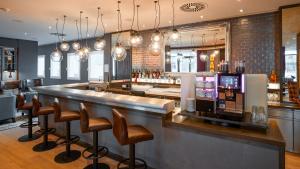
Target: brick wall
[{"x": 142, "y": 58}]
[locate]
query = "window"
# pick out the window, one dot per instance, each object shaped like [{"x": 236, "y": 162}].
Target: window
[
  {"x": 95, "y": 67},
  {"x": 183, "y": 61},
  {"x": 55, "y": 70},
  {"x": 41, "y": 66},
  {"x": 73, "y": 67}
]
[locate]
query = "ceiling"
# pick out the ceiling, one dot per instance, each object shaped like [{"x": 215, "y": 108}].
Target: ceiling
[
  {"x": 30, "y": 19},
  {"x": 290, "y": 28}
]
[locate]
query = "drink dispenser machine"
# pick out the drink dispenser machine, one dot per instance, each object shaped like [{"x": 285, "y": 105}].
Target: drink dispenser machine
[{"x": 230, "y": 95}]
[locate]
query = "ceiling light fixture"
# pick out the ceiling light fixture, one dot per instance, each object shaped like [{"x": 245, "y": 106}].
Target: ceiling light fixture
[
  {"x": 156, "y": 37},
  {"x": 56, "y": 55},
  {"x": 203, "y": 56},
  {"x": 100, "y": 42},
  {"x": 64, "y": 46},
  {"x": 76, "y": 44},
  {"x": 175, "y": 34},
  {"x": 241, "y": 10},
  {"x": 85, "y": 51},
  {"x": 136, "y": 38},
  {"x": 119, "y": 52}
]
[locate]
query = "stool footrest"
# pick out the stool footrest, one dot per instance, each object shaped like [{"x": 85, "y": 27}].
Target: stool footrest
[
  {"x": 102, "y": 151},
  {"x": 43, "y": 131},
  {"x": 139, "y": 164},
  {"x": 73, "y": 139},
  {"x": 26, "y": 124}
]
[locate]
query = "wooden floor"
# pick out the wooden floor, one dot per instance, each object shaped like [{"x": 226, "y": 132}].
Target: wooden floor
[{"x": 16, "y": 155}]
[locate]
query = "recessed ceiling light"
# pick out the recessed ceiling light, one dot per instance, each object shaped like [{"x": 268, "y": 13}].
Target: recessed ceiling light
[
  {"x": 49, "y": 27},
  {"x": 241, "y": 10},
  {"x": 201, "y": 16},
  {"x": 170, "y": 22},
  {"x": 143, "y": 25},
  {"x": 4, "y": 9}
]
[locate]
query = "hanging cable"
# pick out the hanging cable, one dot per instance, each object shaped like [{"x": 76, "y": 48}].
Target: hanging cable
[
  {"x": 56, "y": 26},
  {"x": 137, "y": 18},
  {"x": 102, "y": 24},
  {"x": 87, "y": 30},
  {"x": 155, "y": 21},
  {"x": 173, "y": 7},
  {"x": 98, "y": 15},
  {"x": 76, "y": 22},
  {"x": 133, "y": 16},
  {"x": 80, "y": 21},
  {"x": 63, "y": 28},
  {"x": 119, "y": 21},
  {"x": 158, "y": 14}
]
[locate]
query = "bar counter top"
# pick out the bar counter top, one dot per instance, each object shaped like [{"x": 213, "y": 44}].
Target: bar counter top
[
  {"x": 285, "y": 105},
  {"x": 272, "y": 136},
  {"x": 155, "y": 105}
]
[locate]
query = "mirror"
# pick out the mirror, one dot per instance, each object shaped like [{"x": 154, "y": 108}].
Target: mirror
[
  {"x": 290, "y": 46},
  {"x": 197, "y": 49},
  {"x": 211, "y": 42}
]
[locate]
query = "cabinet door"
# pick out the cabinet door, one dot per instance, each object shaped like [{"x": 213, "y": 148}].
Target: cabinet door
[{"x": 284, "y": 119}]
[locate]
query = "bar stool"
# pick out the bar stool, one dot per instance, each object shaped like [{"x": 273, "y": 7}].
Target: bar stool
[
  {"x": 66, "y": 116},
  {"x": 43, "y": 111},
  {"x": 131, "y": 135},
  {"x": 94, "y": 125},
  {"x": 21, "y": 105}
]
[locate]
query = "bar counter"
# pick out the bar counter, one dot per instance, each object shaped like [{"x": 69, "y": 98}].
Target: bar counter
[{"x": 179, "y": 143}]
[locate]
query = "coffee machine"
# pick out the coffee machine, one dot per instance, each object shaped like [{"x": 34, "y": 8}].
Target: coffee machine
[{"x": 230, "y": 95}]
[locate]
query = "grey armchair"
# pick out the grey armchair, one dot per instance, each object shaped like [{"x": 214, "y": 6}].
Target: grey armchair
[{"x": 8, "y": 107}]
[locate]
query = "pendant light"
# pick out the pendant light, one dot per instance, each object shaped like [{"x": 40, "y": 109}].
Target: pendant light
[
  {"x": 76, "y": 44},
  {"x": 119, "y": 52},
  {"x": 56, "y": 55},
  {"x": 100, "y": 42},
  {"x": 85, "y": 50},
  {"x": 203, "y": 56},
  {"x": 216, "y": 51},
  {"x": 175, "y": 33},
  {"x": 64, "y": 46},
  {"x": 157, "y": 37},
  {"x": 136, "y": 39}
]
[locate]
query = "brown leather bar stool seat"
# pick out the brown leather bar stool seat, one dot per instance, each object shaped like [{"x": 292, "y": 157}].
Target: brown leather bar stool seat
[
  {"x": 130, "y": 135},
  {"x": 94, "y": 125},
  {"x": 23, "y": 106},
  {"x": 66, "y": 116},
  {"x": 43, "y": 111}
]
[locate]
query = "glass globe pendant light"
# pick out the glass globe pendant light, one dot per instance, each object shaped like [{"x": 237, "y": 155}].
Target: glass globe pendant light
[
  {"x": 56, "y": 55},
  {"x": 155, "y": 48},
  {"x": 76, "y": 44},
  {"x": 100, "y": 43},
  {"x": 119, "y": 52},
  {"x": 64, "y": 46},
  {"x": 157, "y": 36},
  {"x": 136, "y": 39},
  {"x": 175, "y": 33},
  {"x": 85, "y": 51}
]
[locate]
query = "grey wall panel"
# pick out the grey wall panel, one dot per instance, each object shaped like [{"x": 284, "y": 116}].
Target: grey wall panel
[{"x": 27, "y": 52}]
